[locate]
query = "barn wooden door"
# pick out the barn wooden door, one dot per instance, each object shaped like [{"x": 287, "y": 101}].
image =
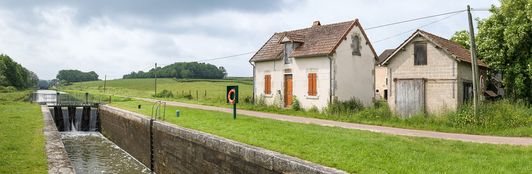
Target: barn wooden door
[
  {"x": 288, "y": 90},
  {"x": 410, "y": 96}
]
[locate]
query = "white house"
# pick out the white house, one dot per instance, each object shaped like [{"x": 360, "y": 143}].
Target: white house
[
  {"x": 315, "y": 65},
  {"x": 430, "y": 74}
]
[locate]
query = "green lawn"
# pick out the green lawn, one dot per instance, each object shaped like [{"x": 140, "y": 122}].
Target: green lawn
[
  {"x": 21, "y": 137},
  {"x": 506, "y": 120},
  {"x": 352, "y": 150}
]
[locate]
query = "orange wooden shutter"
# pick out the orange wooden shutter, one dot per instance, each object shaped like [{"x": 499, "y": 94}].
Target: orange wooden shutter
[
  {"x": 314, "y": 87},
  {"x": 312, "y": 84},
  {"x": 267, "y": 84}
]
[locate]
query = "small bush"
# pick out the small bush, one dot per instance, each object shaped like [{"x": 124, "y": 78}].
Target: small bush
[
  {"x": 7, "y": 89},
  {"x": 296, "y": 105},
  {"x": 344, "y": 107},
  {"x": 492, "y": 115},
  {"x": 164, "y": 94},
  {"x": 248, "y": 100},
  {"x": 314, "y": 109},
  {"x": 188, "y": 96},
  {"x": 261, "y": 101}
]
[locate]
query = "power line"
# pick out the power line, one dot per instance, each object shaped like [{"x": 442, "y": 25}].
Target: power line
[
  {"x": 225, "y": 57},
  {"x": 408, "y": 31},
  {"x": 415, "y": 19},
  {"x": 369, "y": 28}
]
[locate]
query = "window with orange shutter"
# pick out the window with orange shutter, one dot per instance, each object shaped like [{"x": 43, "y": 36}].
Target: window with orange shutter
[
  {"x": 267, "y": 84},
  {"x": 312, "y": 83}
]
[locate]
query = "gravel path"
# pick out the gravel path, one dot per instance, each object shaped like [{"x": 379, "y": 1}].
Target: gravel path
[{"x": 382, "y": 129}]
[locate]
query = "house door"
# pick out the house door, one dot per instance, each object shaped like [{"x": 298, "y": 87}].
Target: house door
[
  {"x": 410, "y": 96},
  {"x": 288, "y": 90}
]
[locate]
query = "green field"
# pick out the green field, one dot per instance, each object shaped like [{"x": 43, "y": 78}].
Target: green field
[
  {"x": 352, "y": 150},
  {"x": 501, "y": 118},
  {"x": 21, "y": 135},
  {"x": 202, "y": 91}
]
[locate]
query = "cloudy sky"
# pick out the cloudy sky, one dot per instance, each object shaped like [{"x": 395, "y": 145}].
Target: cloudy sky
[{"x": 120, "y": 36}]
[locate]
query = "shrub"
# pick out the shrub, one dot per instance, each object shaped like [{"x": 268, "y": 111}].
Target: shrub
[
  {"x": 7, "y": 89},
  {"x": 248, "y": 100},
  {"x": 261, "y": 101},
  {"x": 164, "y": 94},
  {"x": 188, "y": 96},
  {"x": 314, "y": 109},
  {"x": 295, "y": 105},
  {"x": 347, "y": 107},
  {"x": 493, "y": 115}
]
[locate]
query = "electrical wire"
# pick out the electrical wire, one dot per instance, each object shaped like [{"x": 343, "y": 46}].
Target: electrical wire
[
  {"x": 452, "y": 13},
  {"x": 415, "y": 19},
  {"x": 409, "y": 31}
]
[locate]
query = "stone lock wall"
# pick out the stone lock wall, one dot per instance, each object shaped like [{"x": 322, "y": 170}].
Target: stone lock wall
[
  {"x": 181, "y": 150},
  {"x": 127, "y": 130}
]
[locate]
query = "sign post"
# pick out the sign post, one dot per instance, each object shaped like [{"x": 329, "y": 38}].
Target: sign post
[{"x": 232, "y": 97}]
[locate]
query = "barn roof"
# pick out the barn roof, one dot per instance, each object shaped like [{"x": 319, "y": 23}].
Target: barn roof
[{"x": 450, "y": 47}]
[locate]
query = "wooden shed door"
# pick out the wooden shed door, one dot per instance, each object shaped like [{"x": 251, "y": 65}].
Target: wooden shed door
[
  {"x": 410, "y": 97},
  {"x": 288, "y": 90}
]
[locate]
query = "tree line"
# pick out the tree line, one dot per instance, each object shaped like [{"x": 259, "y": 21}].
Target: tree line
[
  {"x": 504, "y": 42},
  {"x": 182, "y": 70},
  {"x": 15, "y": 75},
  {"x": 76, "y": 76}
]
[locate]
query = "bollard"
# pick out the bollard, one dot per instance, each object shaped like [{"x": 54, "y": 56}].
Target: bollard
[{"x": 176, "y": 113}]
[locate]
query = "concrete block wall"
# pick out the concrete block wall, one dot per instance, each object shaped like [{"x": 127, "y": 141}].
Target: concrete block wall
[{"x": 181, "y": 150}]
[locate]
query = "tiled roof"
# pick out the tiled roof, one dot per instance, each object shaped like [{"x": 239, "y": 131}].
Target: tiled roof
[
  {"x": 317, "y": 40},
  {"x": 456, "y": 50},
  {"x": 385, "y": 55},
  {"x": 452, "y": 47},
  {"x": 294, "y": 37}
]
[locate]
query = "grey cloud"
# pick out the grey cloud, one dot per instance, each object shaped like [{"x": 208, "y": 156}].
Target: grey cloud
[{"x": 150, "y": 9}]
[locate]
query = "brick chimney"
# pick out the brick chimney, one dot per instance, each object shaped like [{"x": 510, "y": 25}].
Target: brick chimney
[{"x": 316, "y": 23}]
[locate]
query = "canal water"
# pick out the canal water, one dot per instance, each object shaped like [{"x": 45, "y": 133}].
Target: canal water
[{"x": 91, "y": 152}]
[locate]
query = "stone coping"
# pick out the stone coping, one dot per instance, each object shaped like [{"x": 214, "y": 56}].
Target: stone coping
[
  {"x": 265, "y": 158},
  {"x": 58, "y": 161}
]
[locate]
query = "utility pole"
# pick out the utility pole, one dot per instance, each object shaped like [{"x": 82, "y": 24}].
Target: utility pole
[
  {"x": 155, "y": 72},
  {"x": 104, "y": 83},
  {"x": 474, "y": 66}
]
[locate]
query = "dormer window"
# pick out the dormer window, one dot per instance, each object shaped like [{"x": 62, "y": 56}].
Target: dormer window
[
  {"x": 355, "y": 44},
  {"x": 288, "y": 48}
]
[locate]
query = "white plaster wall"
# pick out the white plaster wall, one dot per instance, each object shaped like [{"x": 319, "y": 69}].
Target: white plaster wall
[
  {"x": 381, "y": 73},
  {"x": 272, "y": 68},
  {"x": 299, "y": 68},
  {"x": 354, "y": 75},
  {"x": 441, "y": 72}
]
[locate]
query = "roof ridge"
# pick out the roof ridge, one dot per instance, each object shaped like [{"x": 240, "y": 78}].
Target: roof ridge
[{"x": 326, "y": 25}]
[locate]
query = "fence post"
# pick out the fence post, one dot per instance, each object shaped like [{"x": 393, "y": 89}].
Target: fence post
[
  {"x": 197, "y": 96},
  {"x": 86, "y": 98},
  {"x": 205, "y": 93}
]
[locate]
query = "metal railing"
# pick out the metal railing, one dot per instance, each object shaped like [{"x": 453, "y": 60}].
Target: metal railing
[{"x": 156, "y": 110}]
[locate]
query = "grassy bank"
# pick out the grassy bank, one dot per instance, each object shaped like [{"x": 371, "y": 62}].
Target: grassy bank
[
  {"x": 21, "y": 136},
  {"x": 500, "y": 118},
  {"x": 352, "y": 150}
]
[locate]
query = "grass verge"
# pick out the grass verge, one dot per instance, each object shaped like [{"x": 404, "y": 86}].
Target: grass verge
[
  {"x": 352, "y": 150},
  {"x": 499, "y": 118},
  {"x": 21, "y": 138}
]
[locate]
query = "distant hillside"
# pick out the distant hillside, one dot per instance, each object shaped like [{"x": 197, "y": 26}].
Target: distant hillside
[
  {"x": 76, "y": 76},
  {"x": 183, "y": 70}
]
